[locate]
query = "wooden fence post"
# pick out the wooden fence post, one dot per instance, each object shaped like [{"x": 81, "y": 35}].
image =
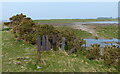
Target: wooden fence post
[
  {"x": 54, "y": 42},
  {"x": 73, "y": 49},
  {"x": 38, "y": 43},
  {"x": 43, "y": 43},
  {"x": 39, "y": 47},
  {"x": 63, "y": 44},
  {"x": 47, "y": 43}
]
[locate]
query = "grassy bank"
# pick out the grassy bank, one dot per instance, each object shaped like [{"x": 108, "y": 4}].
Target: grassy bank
[
  {"x": 103, "y": 31},
  {"x": 51, "y": 61},
  {"x": 77, "y": 32},
  {"x": 107, "y": 31}
]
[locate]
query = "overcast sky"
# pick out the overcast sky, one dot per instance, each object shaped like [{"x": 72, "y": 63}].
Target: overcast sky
[{"x": 60, "y": 10}]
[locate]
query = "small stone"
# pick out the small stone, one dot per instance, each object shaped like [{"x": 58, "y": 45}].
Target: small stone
[
  {"x": 18, "y": 63},
  {"x": 10, "y": 62},
  {"x": 38, "y": 67},
  {"x": 10, "y": 59},
  {"x": 26, "y": 48},
  {"x": 26, "y": 57},
  {"x": 26, "y": 60},
  {"x": 22, "y": 67}
]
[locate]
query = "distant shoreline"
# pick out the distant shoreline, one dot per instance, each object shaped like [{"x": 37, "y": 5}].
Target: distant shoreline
[{"x": 66, "y": 19}]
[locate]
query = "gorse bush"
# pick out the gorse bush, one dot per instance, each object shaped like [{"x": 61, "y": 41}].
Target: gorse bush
[
  {"x": 94, "y": 52},
  {"x": 23, "y": 29},
  {"x": 110, "y": 55},
  {"x": 17, "y": 17},
  {"x": 15, "y": 20},
  {"x": 26, "y": 30}
]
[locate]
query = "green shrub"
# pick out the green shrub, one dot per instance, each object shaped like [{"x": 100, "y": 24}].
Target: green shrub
[
  {"x": 111, "y": 56},
  {"x": 26, "y": 30},
  {"x": 6, "y": 29},
  {"x": 94, "y": 52}
]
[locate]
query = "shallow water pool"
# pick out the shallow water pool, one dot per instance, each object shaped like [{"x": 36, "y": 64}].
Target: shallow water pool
[{"x": 101, "y": 42}]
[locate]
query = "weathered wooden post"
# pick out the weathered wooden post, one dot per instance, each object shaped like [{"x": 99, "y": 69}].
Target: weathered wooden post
[
  {"x": 38, "y": 43},
  {"x": 43, "y": 43},
  {"x": 54, "y": 42},
  {"x": 39, "y": 48},
  {"x": 47, "y": 43},
  {"x": 63, "y": 44},
  {"x": 73, "y": 49}
]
